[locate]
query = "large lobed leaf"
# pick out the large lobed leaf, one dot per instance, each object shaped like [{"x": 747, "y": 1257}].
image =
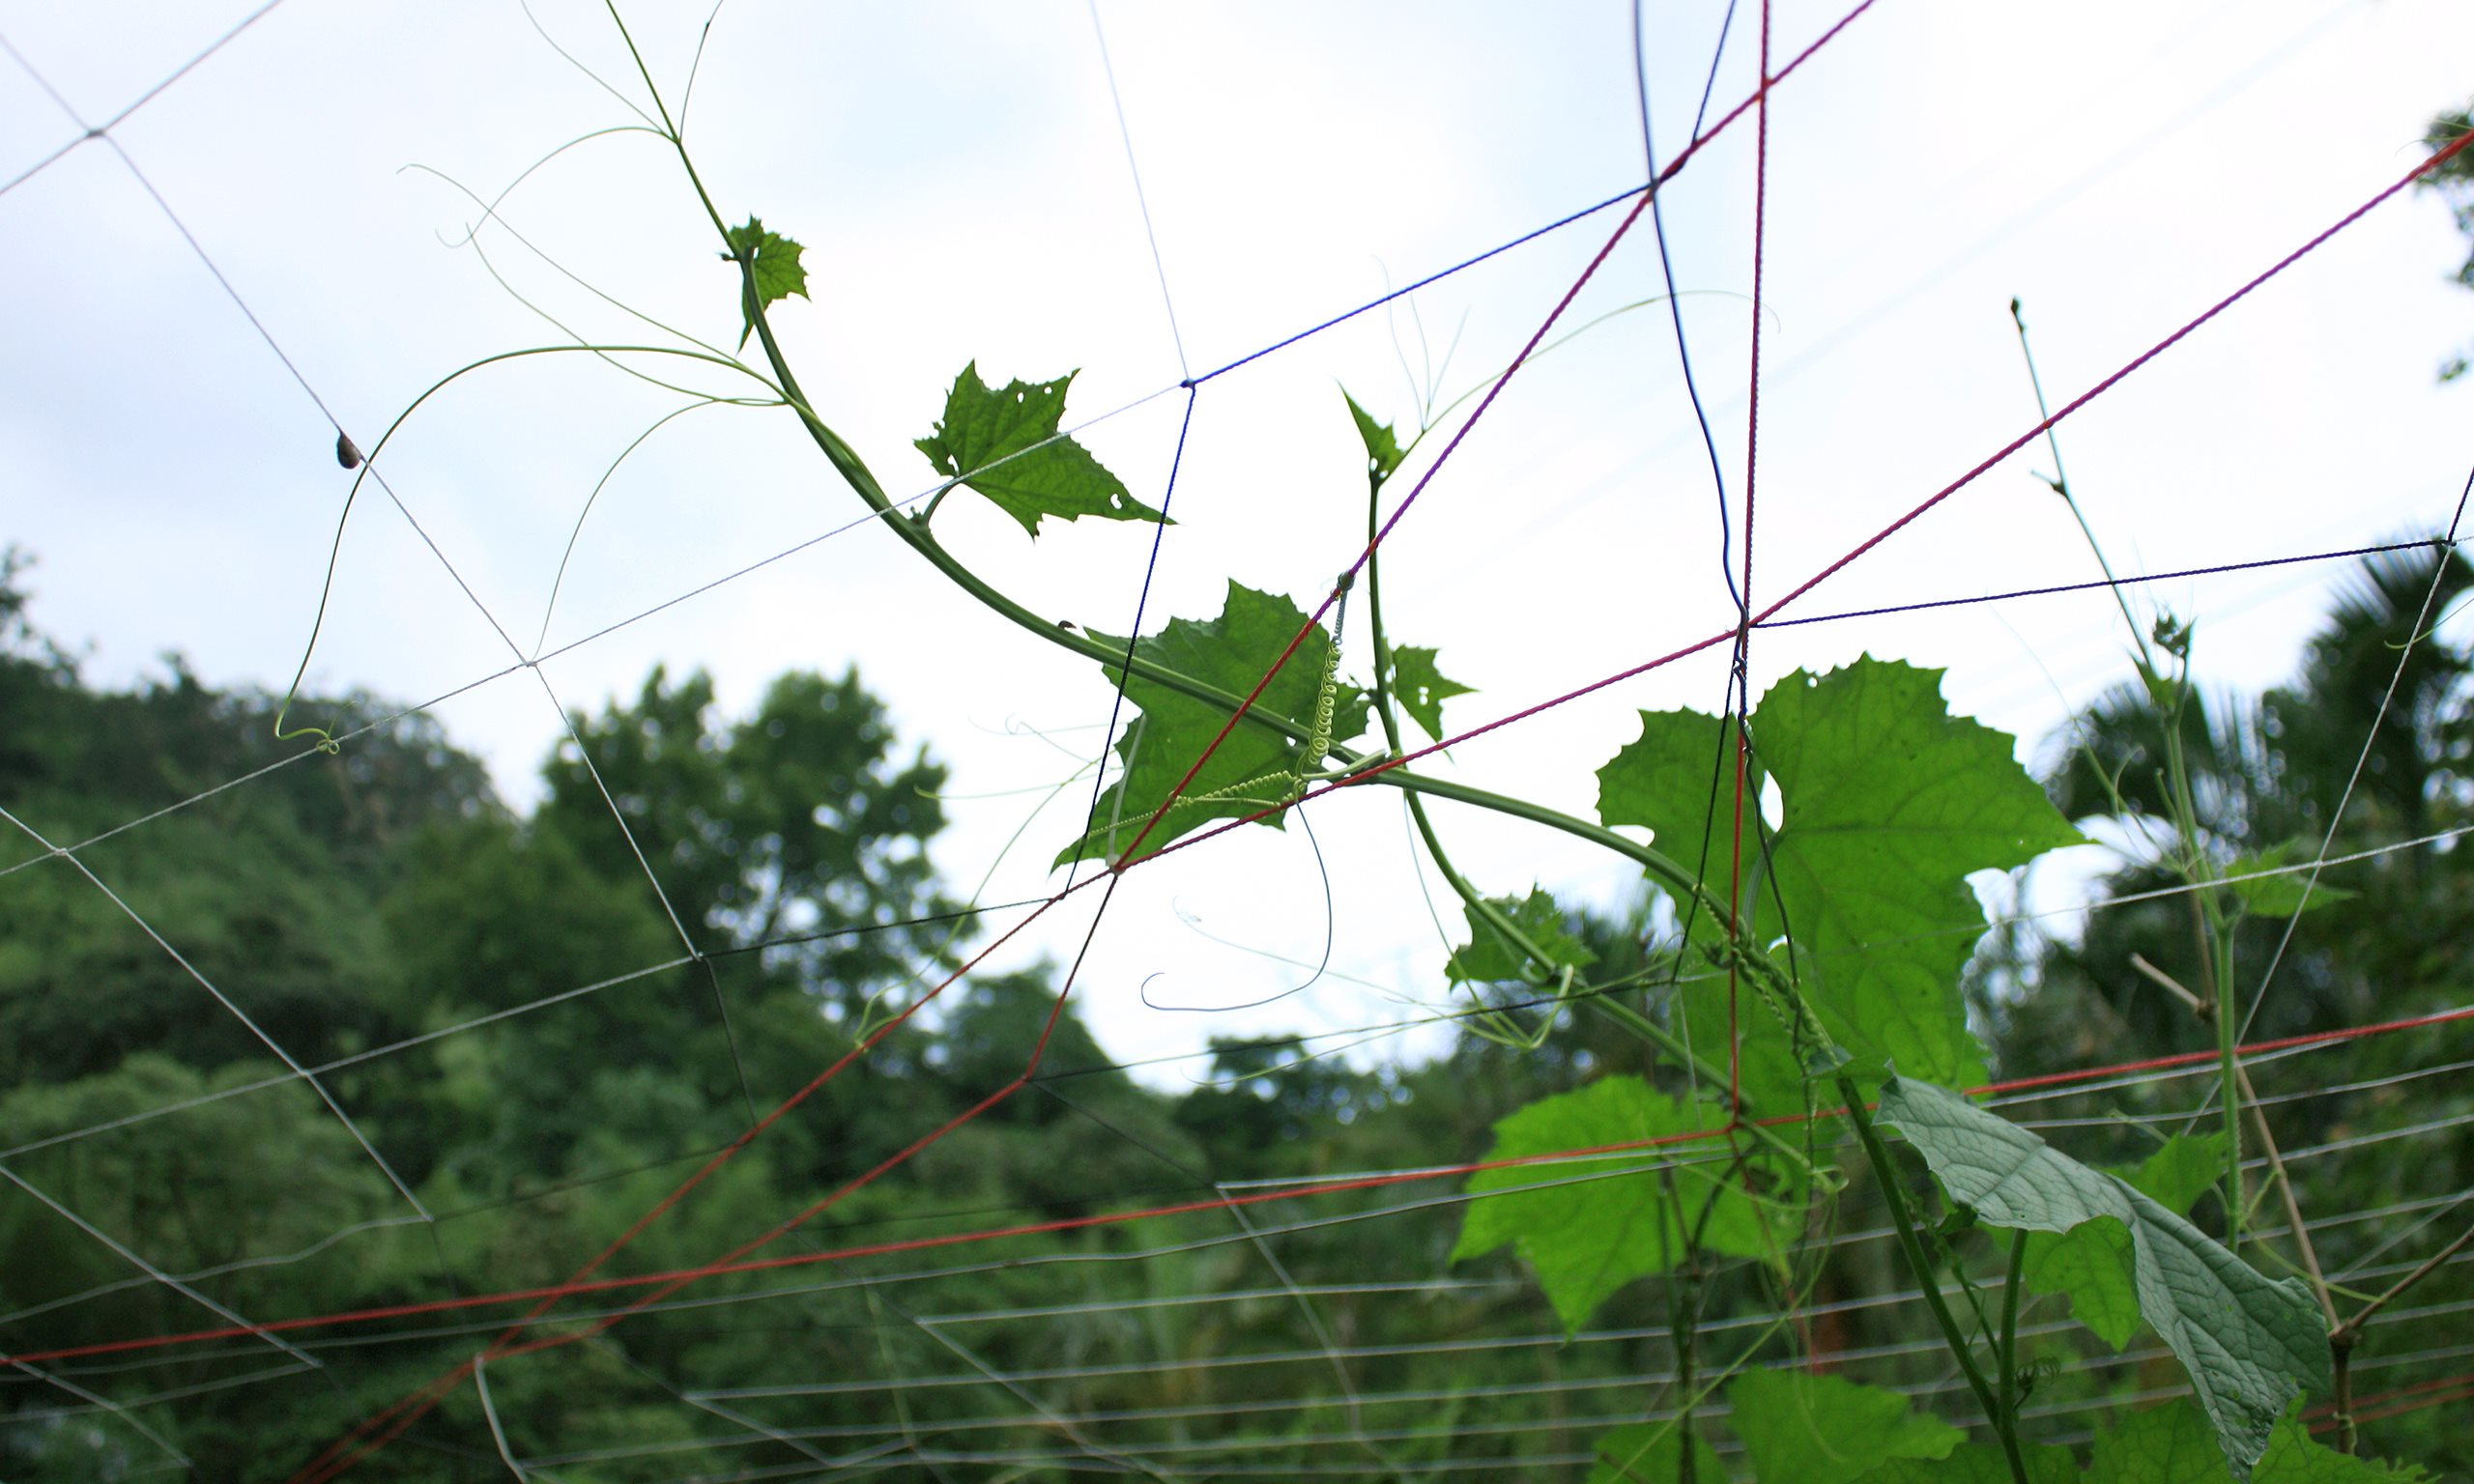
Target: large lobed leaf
[
  {"x": 1586, "y": 1238},
  {"x": 1254, "y": 767},
  {"x": 1004, "y": 443},
  {"x": 1889, "y": 804},
  {"x": 1802, "y": 1428},
  {"x": 2249, "y": 1343}
]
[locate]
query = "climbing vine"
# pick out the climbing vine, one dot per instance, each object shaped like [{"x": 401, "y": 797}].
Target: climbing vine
[{"x": 1847, "y": 922}]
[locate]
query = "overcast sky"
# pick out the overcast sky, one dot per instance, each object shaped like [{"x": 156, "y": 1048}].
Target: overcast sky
[{"x": 960, "y": 182}]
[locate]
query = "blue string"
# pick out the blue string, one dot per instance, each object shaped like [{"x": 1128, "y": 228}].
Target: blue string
[{"x": 1133, "y": 636}]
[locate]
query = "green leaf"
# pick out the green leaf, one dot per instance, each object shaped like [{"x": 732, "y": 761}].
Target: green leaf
[
  {"x": 1802, "y": 1428},
  {"x": 2171, "y": 1445},
  {"x": 1420, "y": 689},
  {"x": 2249, "y": 1343},
  {"x": 2185, "y": 1168},
  {"x": 2280, "y": 895},
  {"x": 1979, "y": 1463},
  {"x": 1254, "y": 767},
  {"x": 2296, "y": 1457},
  {"x": 2092, "y": 1265},
  {"x": 1589, "y": 1238},
  {"x": 1664, "y": 780},
  {"x": 1383, "y": 451},
  {"x": 772, "y": 261},
  {"x": 1889, "y": 804},
  {"x": 2167, "y": 1444},
  {"x": 1004, "y": 443},
  {"x": 1652, "y": 1454},
  {"x": 1489, "y": 957}
]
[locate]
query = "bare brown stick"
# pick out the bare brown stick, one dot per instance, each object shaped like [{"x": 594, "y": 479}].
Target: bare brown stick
[
  {"x": 2345, "y": 1336},
  {"x": 2294, "y": 1224}
]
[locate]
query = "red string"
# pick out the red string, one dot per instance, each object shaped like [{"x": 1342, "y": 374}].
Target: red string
[
  {"x": 1367, "y": 555},
  {"x": 2438, "y": 159},
  {"x": 1945, "y": 492},
  {"x": 1741, "y": 682},
  {"x": 438, "y": 1388},
  {"x": 317, "y": 1472},
  {"x": 2429, "y": 1393},
  {"x": 373, "y": 1433},
  {"x": 1115, "y": 1219}
]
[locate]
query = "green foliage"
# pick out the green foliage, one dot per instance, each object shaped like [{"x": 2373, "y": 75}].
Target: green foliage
[
  {"x": 1383, "y": 450},
  {"x": 2454, "y": 179},
  {"x": 2092, "y": 1265},
  {"x": 1253, "y": 768},
  {"x": 2174, "y": 1445},
  {"x": 1004, "y": 443},
  {"x": 1647, "y": 1454},
  {"x": 2280, "y": 895},
  {"x": 1490, "y": 957},
  {"x": 1977, "y": 1463},
  {"x": 1804, "y": 1428},
  {"x": 612, "y": 1030},
  {"x": 1420, "y": 688},
  {"x": 1593, "y": 1227},
  {"x": 2249, "y": 1343},
  {"x": 1889, "y": 804},
  {"x": 753, "y": 828},
  {"x": 772, "y": 264},
  {"x": 2169, "y": 1445},
  {"x": 2296, "y": 1457},
  {"x": 2270, "y": 770}
]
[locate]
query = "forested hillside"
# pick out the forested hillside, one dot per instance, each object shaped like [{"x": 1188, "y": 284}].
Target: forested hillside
[
  {"x": 1283, "y": 742},
  {"x": 507, "y": 1053}
]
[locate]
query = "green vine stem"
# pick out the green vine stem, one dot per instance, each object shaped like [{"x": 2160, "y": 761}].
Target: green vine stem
[
  {"x": 2216, "y": 946},
  {"x": 2198, "y": 870},
  {"x": 1683, "y": 1293},
  {"x": 2005, "y": 1351},
  {"x": 1655, "y": 862},
  {"x": 1928, "y": 1278},
  {"x": 915, "y": 533},
  {"x": 2278, "y": 1177}
]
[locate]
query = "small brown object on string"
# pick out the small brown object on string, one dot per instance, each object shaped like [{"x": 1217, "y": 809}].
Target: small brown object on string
[{"x": 347, "y": 452}]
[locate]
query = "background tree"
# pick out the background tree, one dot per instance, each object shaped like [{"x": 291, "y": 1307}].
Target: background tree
[{"x": 2454, "y": 180}]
